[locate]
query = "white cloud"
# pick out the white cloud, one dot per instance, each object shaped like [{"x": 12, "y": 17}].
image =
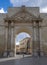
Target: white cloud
[
  {"x": 40, "y": 3},
  {"x": 2, "y": 11},
  {"x": 28, "y": 2},
  {"x": 18, "y": 2},
  {"x": 13, "y": 1},
  {"x": 17, "y": 43},
  {"x": 44, "y": 10}
]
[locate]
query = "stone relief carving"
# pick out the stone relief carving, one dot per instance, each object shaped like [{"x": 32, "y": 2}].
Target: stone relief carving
[{"x": 23, "y": 16}]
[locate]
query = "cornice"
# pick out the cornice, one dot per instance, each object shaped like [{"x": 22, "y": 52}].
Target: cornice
[{"x": 23, "y": 16}]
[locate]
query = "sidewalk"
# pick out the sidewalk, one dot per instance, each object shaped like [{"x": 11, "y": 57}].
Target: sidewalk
[{"x": 12, "y": 58}]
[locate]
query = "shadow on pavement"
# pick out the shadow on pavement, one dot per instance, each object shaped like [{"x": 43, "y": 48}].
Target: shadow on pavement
[{"x": 26, "y": 61}]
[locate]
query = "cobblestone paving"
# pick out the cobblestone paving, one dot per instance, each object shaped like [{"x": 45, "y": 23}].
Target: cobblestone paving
[{"x": 26, "y": 61}]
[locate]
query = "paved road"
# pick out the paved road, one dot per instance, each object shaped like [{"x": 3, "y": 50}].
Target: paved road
[{"x": 26, "y": 61}]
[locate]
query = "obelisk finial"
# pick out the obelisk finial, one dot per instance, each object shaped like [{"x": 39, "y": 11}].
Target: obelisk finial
[{"x": 23, "y": 8}]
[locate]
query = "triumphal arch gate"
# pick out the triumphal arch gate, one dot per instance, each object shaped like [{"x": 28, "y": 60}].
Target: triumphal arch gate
[{"x": 22, "y": 21}]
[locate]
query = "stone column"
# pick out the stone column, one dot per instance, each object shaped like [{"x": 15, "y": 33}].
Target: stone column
[
  {"x": 14, "y": 45},
  {"x": 5, "y": 37},
  {"x": 9, "y": 38},
  {"x": 33, "y": 38},
  {"x": 37, "y": 38},
  {"x": 41, "y": 47},
  {"x": 13, "y": 38}
]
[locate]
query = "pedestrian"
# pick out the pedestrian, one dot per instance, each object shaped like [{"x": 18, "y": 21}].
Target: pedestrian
[
  {"x": 7, "y": 53},
  {"x": 38, "y": 53},
  {"x": 23, "y": 55}
]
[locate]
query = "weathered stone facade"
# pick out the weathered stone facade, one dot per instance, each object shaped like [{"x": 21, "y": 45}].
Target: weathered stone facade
[{"x": 23, "y": 19}]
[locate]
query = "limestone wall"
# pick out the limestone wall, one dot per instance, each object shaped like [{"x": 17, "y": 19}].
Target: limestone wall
[
  {"x": 2, "y": 39},
  {"x": 43, "y": 32},
  {"x": 2, "y": 16},
  {"x": 44, "y": 27},
  {"x": 2, "y": 31}
]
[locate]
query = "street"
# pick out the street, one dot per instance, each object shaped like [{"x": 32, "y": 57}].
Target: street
[{"x": 26, "y": 61}]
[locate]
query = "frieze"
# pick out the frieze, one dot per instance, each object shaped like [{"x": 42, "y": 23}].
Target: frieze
[{"x": 23, "y": 16}]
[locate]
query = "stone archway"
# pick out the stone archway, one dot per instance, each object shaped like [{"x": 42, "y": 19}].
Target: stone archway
[
  {"x": 23, "y": 43},
  {"x": 23, "y": 21},
  {"x": 26, "y": 29}
]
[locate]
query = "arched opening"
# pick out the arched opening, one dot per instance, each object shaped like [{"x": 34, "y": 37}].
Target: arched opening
[{"x": 23, "y": 43}]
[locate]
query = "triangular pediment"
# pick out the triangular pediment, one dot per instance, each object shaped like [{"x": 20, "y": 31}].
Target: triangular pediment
[{"x": 23, "y": 15}]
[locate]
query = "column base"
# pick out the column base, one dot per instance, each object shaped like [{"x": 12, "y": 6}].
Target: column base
[
  {"x": 14, "y": 52},
  {"x": 9, "y": 53},
  {"x": 35, "y": 54},
  {"x": 41, "y": 53},
  {"x": 14, "y": 55}
]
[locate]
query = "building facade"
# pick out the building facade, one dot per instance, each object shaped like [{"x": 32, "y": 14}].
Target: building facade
[
  {"x": 26, "y": 46},
  {"x": 23, "y": 19}
]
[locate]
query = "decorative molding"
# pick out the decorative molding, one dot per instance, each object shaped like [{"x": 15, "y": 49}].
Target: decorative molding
[{"x": 23, "y": 16}]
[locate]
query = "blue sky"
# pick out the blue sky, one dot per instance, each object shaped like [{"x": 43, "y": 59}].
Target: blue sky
[
  {"x": 4, "y": 4},
  {"x": 21, "y": 36}
]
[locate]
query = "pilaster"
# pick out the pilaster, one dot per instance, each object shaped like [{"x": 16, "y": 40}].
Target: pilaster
[
  {"x": 5, "y": 35},
  {"x": 37, "y": 38}
]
